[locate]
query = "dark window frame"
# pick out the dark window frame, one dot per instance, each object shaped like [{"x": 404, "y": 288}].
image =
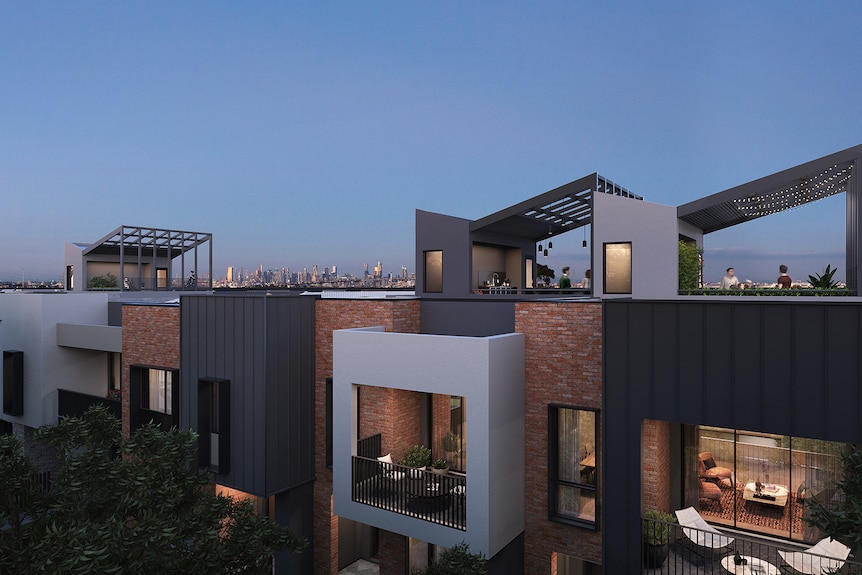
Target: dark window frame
[
  {"x": 214, "y": 394},
  {"x": 436, "y": 276},
  {"x": 605, "y": 269},
  {"x": 329, "y": 423},
  {"x": 139, "y": 376},
  {"x": 553, "y": 468}
]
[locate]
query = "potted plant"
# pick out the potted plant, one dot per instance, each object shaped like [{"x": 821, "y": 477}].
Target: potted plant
[
  {"x": 452, "y": 445},
  {"x": 418, "y": 457},
  {"x": 656, "y": 533},
  {"x": 440, "y": 466}
]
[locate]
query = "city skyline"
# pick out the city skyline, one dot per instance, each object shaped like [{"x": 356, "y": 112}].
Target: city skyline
[{"x": 312, "y": 133}]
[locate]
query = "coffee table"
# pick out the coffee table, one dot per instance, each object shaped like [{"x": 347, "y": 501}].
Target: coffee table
[
  {"x": 752, "y": 566},
  {"x": 770, "y": 494}
]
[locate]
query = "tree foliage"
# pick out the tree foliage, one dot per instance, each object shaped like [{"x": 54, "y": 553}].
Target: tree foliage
[
  {"x": 689, "y": 265},
  {"x": 457, "y": 560},
  {"x": 545, "y": 273},
  {"x": 841, "y": 517},
  {"x": 135, "y": 505}
]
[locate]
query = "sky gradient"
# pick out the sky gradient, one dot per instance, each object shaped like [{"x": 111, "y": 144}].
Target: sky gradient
[{"x": 308, "y": 133}]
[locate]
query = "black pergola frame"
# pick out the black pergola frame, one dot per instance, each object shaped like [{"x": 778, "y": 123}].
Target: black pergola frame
[
  {"x": 785, "y": 190},
  {"x": 143, "y": 243}
]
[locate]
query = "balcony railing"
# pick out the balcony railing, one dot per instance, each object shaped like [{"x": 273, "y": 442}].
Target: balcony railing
[
  {"x": 426, "y": 495},
  {"x": 742, "y": 554}
]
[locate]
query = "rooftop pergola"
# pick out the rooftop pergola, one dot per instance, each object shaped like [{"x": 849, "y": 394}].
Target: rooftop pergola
[
  {"x": 136, "y": 246},
  {"x": 556, "y": 212},
  {"x": 786, "y": 190}
]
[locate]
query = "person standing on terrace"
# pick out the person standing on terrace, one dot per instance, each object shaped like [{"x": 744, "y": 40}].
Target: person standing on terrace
[
  {"x": 565, "y": 281},
  {"x": 729, "y": 281},
  {"x": 784, "y": 280}
]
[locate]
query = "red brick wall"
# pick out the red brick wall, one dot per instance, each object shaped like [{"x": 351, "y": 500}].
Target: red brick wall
[
  {"x": 392, "y": 552},
  {"x": 393, "y": 413},
  {"x": 331, "y": 314},
  {"x": 151, "y": 336},
  {"x": 655, "y": 454},
  {"x": 564, "y": 366}
]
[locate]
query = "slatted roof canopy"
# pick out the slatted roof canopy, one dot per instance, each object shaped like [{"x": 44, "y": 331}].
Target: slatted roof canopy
[
  {"x": 165, "y": 243},
  {"x": 553, "y": 213},
  {"x": 781, "y": 191}
]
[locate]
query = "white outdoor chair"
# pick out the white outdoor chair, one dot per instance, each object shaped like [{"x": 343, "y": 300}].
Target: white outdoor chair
[
  {"x": 828, "y": 555},
  {"x": 701, "y": 533}
]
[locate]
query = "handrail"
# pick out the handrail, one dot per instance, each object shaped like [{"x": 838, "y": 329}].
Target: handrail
[
  {"x": 684, "y": 556},
  {"x": 433, "y": 497}
]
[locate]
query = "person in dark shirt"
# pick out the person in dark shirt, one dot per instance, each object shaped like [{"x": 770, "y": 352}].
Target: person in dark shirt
[
  {"x": 565, "y": 281},
  {"x": 784, "y": 280}
]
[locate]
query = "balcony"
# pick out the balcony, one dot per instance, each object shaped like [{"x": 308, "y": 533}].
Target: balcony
[
  {"x": 760, "y": 555},
  {"x": 425, "y": 495}
]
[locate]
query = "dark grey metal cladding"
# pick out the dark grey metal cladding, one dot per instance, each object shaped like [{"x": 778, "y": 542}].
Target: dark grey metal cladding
[
  {"x": 452, "y": 237},
  {"x": 789, "y": 368},
  {"x": 265, "y": 346}
]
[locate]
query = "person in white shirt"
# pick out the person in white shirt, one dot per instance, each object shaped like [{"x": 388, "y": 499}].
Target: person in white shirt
[{"x": 729, "y": 281}]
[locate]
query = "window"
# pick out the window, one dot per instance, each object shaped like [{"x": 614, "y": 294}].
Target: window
[
  {"x": 156, "y": 387},
  {"x": 758, "y": 481},
  {"x": 115, "y": 363},
  {"x": 329, "y": 422},
  {"x": 434, "y": 271},
  {"x": 214, "y": 424},
  {"x": 572, "y": 465},
  {"x": 13, "y": 382},
  {"x": 618, "y": 268}
]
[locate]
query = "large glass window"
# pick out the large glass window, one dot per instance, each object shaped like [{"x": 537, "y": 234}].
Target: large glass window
[
  {"x": 573, "y": 465},
  {"x": 618, "y": 268},
  {"x": 759, "y": 481},
  {"x": 434, "y": 271},
  {"x": 160, "y": 384}
]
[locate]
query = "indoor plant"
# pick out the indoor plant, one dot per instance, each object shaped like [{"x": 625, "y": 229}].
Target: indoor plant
[
  {"x": 656, "y": 533},
  {"x": 451, "y": 444}
]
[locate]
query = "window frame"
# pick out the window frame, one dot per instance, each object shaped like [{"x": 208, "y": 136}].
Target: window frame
[
  {"x": 611, "y": 278},
  {"x": 432, "y": 268},
  {"x": 554, "y": 480}
]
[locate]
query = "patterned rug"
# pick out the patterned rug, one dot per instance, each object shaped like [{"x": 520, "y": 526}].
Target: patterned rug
[{"x": 753, "y": 515}]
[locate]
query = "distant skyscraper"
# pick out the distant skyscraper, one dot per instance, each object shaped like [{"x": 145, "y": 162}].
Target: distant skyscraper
[{"x": 230, "y": 274}]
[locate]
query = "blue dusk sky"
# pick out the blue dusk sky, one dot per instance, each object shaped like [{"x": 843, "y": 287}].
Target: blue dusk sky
[{"x": 303, "y": 133}]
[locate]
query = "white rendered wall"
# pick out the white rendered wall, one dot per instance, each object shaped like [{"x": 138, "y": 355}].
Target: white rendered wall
[
  {"x": 28, "y": 323},
  {"x": 489, "y": 372},
  {"x": 652, "y": 230}
]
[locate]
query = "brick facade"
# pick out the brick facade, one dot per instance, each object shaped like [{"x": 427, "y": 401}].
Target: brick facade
[
  {"x": 564, "y": 366},
  {"x": 332, "y": 314},
  {"x": 151, "y": 337},
  {"x": 655, "y": 486}
]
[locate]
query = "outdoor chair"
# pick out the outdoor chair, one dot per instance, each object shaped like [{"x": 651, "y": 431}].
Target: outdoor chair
[
  {"x": 704, "y": 539},
  {"x": 827, "y": 556}
]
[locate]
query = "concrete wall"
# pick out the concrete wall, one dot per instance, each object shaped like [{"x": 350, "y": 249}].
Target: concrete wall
[
  {"x": 28, "y": 322},
  {"x": 489, "y": 373},
  {"x": 652, "y": 231},
  {"x": 452, "y": 236}
]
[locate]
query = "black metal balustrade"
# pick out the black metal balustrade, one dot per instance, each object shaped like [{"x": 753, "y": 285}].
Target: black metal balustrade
[
  {"x": 434, "y": 497},
  {"x": 742, "y": 553}
]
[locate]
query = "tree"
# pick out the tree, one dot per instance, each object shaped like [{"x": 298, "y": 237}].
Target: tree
[
  {"x": 128, "y": 505},
  {"x": 689, "y": 265},
  {"x": 457, "y": 560},
  {"x": 545, "y": 273},
  {"x": 841, "y": 518}
]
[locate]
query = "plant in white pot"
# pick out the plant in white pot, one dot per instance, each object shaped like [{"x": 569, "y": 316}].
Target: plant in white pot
[
  {"x": 418, "y": 457},
  {"x": 440, "y": 466}
]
